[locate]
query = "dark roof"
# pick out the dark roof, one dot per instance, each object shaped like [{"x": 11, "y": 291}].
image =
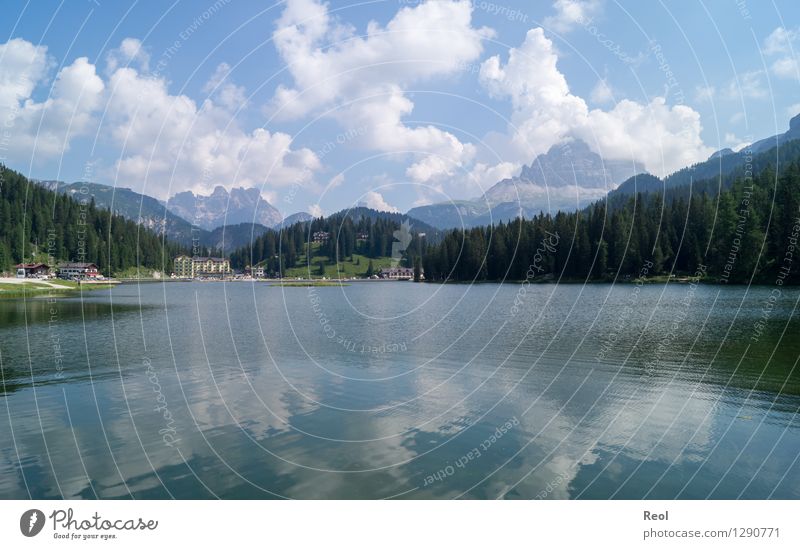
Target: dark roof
[
  {"x": 200, "y": 258},
  {"x": 76, "y": 265},
  {"x": 32, "y": 265}
]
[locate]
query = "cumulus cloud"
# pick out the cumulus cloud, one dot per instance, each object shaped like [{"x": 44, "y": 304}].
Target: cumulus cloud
[
  {"x": 375, "y": 200},
  {"x": 43, "y": 129},
  {"x": 168, "y": 141},
  {"x": 361, "y": 79},
  {"x": 483, "y": 176},
  {"x": 225, "y": 92},
  {"x": 704, "y": 93},
  {"x": 22, "y": 67},
  {"x": 780, "y": 44},
  {"x": 747, "y": 85},
  {"x": 316, "y": 210},
  {"x": 130, "y": 52},
  {"x": 545, "y": 112},
  {"x": 180, "y": 145},
  {"x": 602, "y": 92},
  {"x": 570, "y": 13}
]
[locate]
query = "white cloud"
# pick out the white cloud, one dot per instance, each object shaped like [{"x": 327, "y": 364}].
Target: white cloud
[
  {"x": 362, "y": 79},
  {"x": 129, "y": 53},
  {"x": 785, "y": 67},
  {"x": 704, "y": 93},
  {"x": 736, "y": 118},
  {"x": 225, "y": 92},
  {"x": 602, "y": 93},
  {"x": 316, "y": 210},
  {"x": 662, "y": 137},
  {"x": 734, "y": 142},
  {"x": 166, "y": 140},
  {"x": 780, "y": 43},
  {"x": 177, "y": 145},
  {"x": 747, "y": 85},
  {"x": 45, "y": 129},
  {"x": 793, "y": 110},
  {"x": 570, "y": 13},
  {"x": 483, "y": 176},
  {"x": 375, "y": 200},
  {"x": 335, "y": 181},
  {"x": 22, "y": 67}
]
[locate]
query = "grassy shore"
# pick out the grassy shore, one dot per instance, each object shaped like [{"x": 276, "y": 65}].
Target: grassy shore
[
  {"x": 309, "y": 283},
  {"x": 33, "y": 288}
]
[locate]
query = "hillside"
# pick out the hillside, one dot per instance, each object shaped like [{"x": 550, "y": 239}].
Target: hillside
[
  {"x": 569, "y": 176},
  {"x": 38, "y": 224},
  {"x": 745, "y": 232},
  {"x": 352, "y": 238},
  {"x": 143, "y": 209}
]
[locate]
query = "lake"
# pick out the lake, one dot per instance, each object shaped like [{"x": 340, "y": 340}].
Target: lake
[{"x": 401, "y": 390}]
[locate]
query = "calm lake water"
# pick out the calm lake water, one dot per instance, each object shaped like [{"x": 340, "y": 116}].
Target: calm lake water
[{"x": 378, "y": 390}]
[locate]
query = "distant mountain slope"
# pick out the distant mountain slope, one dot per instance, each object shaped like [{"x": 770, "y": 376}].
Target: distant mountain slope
[
  {"x": 574, "y": 163},
  {"x": 222, "y": 207},
  {"x": 569, "y": 176},
  {"x": 152, "y": 214},
  {"x": 361, "y": 212},
  {"x": 230, "y": 237},
  {"x": 450, "y": 215},
  {"x": 640, "y": 183},
  {"x": 299, "y": 217},
  {"x": 143, "y": 209},
  {"x": 35, "y": 220},
  {"x": 780, "y": 139},
  {"x": 725, "y": 162}
]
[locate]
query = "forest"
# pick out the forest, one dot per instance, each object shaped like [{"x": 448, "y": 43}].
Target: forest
[
  {"x": 362, "y": 231},
  {"x": 37, "y": 224},
  {"x": 738, "y": 232}
]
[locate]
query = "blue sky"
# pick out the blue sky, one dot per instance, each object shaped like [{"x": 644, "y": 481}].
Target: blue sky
[{"x": 392, "y": 103}]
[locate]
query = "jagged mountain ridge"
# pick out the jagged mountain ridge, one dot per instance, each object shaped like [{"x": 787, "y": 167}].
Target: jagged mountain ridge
[
  {"x": 223, "y": 207},
  {"x": 569, "y": 176}
]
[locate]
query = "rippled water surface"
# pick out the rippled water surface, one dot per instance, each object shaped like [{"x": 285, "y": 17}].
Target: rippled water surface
[{"x": 376, "y": 390}]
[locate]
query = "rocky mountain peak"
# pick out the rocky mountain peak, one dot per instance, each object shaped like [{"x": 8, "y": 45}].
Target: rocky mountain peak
[{"x": 223, "y": 207}]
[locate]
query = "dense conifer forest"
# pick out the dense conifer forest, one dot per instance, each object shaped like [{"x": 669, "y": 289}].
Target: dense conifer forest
[
  {"x": 37, "y": 224},
  {"x": 734, "y": 231}
]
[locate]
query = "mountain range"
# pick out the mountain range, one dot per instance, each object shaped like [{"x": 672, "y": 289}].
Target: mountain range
[
  {"x": 570, "y": 176},
  {"x": 223, "y": 207},
  {"x": 161, "y": 217}
]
